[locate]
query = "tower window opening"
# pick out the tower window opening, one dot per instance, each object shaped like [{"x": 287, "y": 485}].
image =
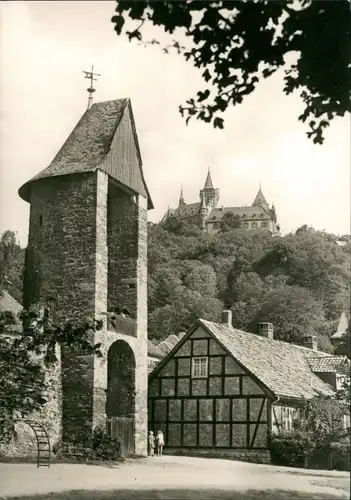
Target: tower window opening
[{"x": 40, "y": 220}]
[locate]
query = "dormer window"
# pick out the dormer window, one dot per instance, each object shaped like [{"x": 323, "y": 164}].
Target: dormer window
[
  {"x": 254, "y": 215},
  {"x": 244, "y": 215}
]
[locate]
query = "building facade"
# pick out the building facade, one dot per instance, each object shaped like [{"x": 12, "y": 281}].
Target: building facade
[
  {"x": 207, "y": 214},
  {"x": 221, "y": 390},
  {"x": 87, "y": 254}
]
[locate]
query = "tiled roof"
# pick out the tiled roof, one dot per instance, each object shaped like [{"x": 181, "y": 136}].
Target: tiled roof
[
  {"x": 187, "y": 209},
  {"x": 342, "y": 326},
  {"x": 169, "y": 213},
  {"x": 89, "y": 145},
  {"x": 281, "y": 366},
  {"x": 328, "y": 364},
  {"x": 154, "y": 351},
  {"x": 8, "y": 303},
  {"x": 259, "y": 212},
  {"x": 172, "y": 340},
  {"x": 260, "y": 199}
]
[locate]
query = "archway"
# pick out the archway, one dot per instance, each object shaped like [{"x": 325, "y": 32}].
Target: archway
[{"x": 120, "y": 401}]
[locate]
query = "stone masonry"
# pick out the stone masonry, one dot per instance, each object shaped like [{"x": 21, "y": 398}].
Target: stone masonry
[{"x": 87, "y": 250}]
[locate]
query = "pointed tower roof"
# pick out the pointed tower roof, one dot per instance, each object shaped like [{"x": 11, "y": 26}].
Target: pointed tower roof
[
  {"x": 97, "y": 143},
  {"x": 208, "y": 183},
  {"x": 342, "y": 326},
  {"x": 181, "y": 197},
  {"x": 260, "y": 200}
]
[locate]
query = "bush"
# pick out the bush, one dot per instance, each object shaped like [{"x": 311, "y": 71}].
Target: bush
[
  {"x": 290, "y": 450},
  {"x": 340, "y": 456},
  {"x": 297, "y": 450},
  {"x": 105, "y": 448}
]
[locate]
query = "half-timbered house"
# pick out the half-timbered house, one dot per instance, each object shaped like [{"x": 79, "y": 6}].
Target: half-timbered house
[{"x": 221, "y": 390}]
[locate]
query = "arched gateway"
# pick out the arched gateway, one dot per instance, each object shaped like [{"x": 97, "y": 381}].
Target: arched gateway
[{"x": 120, "y": 401}]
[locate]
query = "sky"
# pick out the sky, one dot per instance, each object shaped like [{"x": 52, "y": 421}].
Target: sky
[{"x": 44, "y": 48}]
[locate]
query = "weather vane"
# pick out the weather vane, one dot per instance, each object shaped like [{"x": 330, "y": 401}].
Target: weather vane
[{"x": 91, "y": 90}]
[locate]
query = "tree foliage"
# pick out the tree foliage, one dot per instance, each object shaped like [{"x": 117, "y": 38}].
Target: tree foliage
[
  {"x": 29, "y": 348},
  {"x": 238, "y": 43},
  {"x": 299, "y": 282},
  {"x": 230, "y": 221},
  {"x": 323, "y": 419},
  {"x": 11, "y": 264}
]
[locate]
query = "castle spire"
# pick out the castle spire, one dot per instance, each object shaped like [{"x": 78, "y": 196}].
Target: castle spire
[
  {"x": 208, "y": 183},
  {"x": 260, "y": 200},
  {"x": 181, "y": 197}
]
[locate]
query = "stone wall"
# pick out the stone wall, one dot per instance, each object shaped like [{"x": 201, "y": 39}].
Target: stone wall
[
  {"x": 87, "y": 249},
  {"x": 256, "y": 456},
  {"x": 24, "y": 443}
]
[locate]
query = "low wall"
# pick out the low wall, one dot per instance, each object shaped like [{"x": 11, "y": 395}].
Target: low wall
[{"x": 244, "y": 455}]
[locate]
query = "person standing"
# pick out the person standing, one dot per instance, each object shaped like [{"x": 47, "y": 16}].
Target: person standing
[
  {"x": 160, "y": 441},
  {"x": 151, "y": 442}
]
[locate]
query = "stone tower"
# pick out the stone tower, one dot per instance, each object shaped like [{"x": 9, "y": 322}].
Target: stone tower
[
  {"x": 209, "y": 193},
  {"x": 87, "y": 251},
  {"x": 204, "y": 211}
]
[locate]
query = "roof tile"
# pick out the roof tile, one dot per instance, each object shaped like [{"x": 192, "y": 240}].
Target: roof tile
[
  {"x": 89, "y": 144},
  {"x": 281, "y": 366}
]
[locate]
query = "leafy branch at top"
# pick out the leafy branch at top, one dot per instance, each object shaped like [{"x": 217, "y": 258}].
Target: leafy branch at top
[{"x": 239, "y": 43}]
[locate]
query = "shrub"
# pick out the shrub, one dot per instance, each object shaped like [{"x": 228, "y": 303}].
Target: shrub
[
  {"x": 104, "y": 447},
  {"x": 340, "y": 455},
  {"x": 290, "y": 449}
]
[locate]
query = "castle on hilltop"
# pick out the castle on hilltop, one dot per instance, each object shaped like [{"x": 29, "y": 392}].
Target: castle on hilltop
[{"x": 207, "y": 215}]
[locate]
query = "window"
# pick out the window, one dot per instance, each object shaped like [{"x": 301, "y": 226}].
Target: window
[
  {"x": 246, "y": 225},
  {"x": 254, "y": 215},
  {"x": 264, "y": 224},
  {"x": 216, "y": 225},
  {"x": 200, "y": 367},
  {"x": 340, "y": 381},
  {"x": 40, "y": 220},
  {"x": 254, "y": 225}
]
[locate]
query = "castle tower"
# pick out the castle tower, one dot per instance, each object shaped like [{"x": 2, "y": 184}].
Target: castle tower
[
  {"x": 260, "y": 200},
  {"x": 181, "y": 197},
  {"x": 204, "y": 210},
  {"x": 209, "y": 193},
  {"x": 87, "y": 249}
]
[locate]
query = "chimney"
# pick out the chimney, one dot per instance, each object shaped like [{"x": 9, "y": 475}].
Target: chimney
[
  {"x": 310, "y": 341},
  {"x": 266, "y": 330},
  {"x": 227, "y": 317}
]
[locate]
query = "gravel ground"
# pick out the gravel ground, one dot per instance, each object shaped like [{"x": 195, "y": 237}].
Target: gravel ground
[{"x": 170, "y": 478}]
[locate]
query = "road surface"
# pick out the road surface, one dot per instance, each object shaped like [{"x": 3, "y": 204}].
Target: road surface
[{"x": 170, "y": 477}]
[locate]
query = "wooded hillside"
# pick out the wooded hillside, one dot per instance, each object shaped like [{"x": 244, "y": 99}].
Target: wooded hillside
[{"x": 299, "y": 282}]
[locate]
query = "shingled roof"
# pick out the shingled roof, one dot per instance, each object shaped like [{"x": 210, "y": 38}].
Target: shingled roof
[
  {"x": 8, "y": 303},
  {"x": 187, "y": 209},
  {"x": 88, "y": 147},
  {"x": 342, "y": 326},
  {"x": 154, "y": 351},
  {"x": 327, "y": 364},
  {"x": 282, "y": 367},
  {"x": 172, "y": 340},
  {"x": 249, "y": 212}
]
